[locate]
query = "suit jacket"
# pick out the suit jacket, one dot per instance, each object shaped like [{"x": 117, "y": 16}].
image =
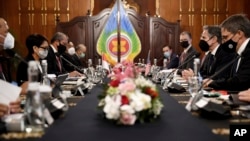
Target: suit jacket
[
  {"x": 186, "y": 65},
  {"x": 67, "y": 66},
  {"x": 5, "y": 68},
  {"x": 220, "y": 59},
  {"x": 53, "y": 67},
  {"x": 240, "y": 81},
  {"x": 173, "y": 62},
  {"x": 77, "y": 61},
  {"x": 78, "y": 65}
]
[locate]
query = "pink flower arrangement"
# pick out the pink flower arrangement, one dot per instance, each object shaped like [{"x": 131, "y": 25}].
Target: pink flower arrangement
[{"x": 130, "y": 97}]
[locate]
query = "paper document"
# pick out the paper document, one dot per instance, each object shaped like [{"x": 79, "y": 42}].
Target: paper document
[{"x": 8, "y": 92}]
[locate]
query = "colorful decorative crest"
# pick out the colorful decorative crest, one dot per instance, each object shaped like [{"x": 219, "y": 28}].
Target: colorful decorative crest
[{"x": 107, "y": 44}]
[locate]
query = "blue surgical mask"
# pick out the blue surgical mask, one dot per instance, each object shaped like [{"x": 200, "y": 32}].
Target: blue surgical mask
[{"x": 166, "y": 54}]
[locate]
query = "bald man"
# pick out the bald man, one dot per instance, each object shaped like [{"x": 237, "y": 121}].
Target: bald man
[
  {"x": 4, "y": 28},
  {"x": 80, "y": 54},
  {"x": 13, "y": 106}
]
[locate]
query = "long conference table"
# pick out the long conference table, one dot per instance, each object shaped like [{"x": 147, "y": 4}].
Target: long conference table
[{"x": 84, "y": 123}]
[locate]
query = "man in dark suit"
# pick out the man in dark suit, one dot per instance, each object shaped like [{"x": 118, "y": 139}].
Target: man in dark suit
[
  {"x": 188, "y": 52},
  {"x": 172, "y": 60},
  {"x": 216, "y": 57},
  {"x": 235, "y": 32},
  {"x": 68, "y": 53},
  {"x": 6, "y": 43},
  {"x": 74, "y": 56},
  {"x": 79, "y": 56},
  {"x": 58, "y": 42}
]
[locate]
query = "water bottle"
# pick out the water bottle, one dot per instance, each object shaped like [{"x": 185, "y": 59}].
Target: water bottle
[
  {"x": 89, "y": 63},
  {"x": 45, "y": 79},
  {"x": 33, "y": 106},
  {"x": 143, "y": 61},
  {"x": 99, "y": 62},
  {"x": 196, "y": 66},
  {"x": 194, "y": 83},
  {"x": 155, "y": 62},
  {"x": 165, "y": 63},
  {"x": 139, "y": 62},
  {"x": 154, "y": 71}
]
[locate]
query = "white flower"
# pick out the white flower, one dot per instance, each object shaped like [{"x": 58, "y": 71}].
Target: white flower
[
  {"x": 140, "y": 101},
  {"x": 142, "y": 82},
  {"x": 127, "y": 115},
  {"x": 111, "y": 109},
  {"x": 131, "y": 97},
  {"x": 127, "y": 109}
]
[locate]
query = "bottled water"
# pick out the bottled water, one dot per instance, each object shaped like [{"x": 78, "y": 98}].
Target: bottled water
[
  {"x": 195, "y": 82},
  {"x": 33, "y": 106},
  {"x": 45, "y": 79}
]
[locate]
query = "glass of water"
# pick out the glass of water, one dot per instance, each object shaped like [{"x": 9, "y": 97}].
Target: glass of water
[{"x": 194, "y": 84}]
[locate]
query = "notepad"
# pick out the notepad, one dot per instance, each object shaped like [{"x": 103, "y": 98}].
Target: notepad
[{"x": 8, "y": 92}]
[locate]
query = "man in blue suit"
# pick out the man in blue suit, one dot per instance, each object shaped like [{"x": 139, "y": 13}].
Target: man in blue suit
[{"x": 172, "y": 60}]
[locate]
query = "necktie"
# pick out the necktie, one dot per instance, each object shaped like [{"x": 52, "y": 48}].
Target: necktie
[
  {"x": 58, "y": 62},
  {"x": 234, "y": 66},
  {"x": 205, "y": 58},
  {"x": 210, "y": 64},
  {"x": 183, "y": 57}
]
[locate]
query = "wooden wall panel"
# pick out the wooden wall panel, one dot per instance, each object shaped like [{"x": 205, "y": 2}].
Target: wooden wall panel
[
  {"x": 246, "y": 7},
  {"x": 153, "y": 32},
  {"x": 192, "y": 13},
  {"x": 222, "y": 5},
  {"x": 163, "y": 33}
]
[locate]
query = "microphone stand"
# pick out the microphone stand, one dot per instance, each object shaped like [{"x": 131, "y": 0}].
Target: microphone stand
[
  {"x": 193, "y": 100},
  {"x": 12, "y": 53},
  {"x": 219, "y": 71},
  {"x": 77, "y": 68},
  {"x": 185, "y": 62}
]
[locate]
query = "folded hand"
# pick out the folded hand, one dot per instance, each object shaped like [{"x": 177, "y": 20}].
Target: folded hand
[
  {"x": 245, "y": 95},
  {"x": 3, "y": 110}
]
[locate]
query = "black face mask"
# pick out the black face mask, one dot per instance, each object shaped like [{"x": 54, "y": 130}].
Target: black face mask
[
  {"x": 184, "y": 44},
  {"x": 203, "y": 45},
  {"x": 61, "y": 49},
  {"x": 229, "y": 46}
]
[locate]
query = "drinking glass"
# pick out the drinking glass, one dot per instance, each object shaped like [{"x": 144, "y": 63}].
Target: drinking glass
[{"x": 194, "y": 84}]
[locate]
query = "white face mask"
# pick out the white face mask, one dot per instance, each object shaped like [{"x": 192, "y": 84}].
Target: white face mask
[
  {"x": 71, "y": 51},
  {"x": 9, "y": 41},
  {"x": 42, "y": 54}
]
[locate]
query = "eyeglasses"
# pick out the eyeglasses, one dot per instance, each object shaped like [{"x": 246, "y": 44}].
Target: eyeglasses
[{"x": 45, "y": 48}]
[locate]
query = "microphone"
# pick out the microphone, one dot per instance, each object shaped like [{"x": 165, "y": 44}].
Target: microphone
[
  {"x": 184, "y": 63},
  {"x": 219, "y": 71},
  {"x": 77, "y": 68},
  {"x": 12, "y": 53},
  {"x": 173, "y": 87}
]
